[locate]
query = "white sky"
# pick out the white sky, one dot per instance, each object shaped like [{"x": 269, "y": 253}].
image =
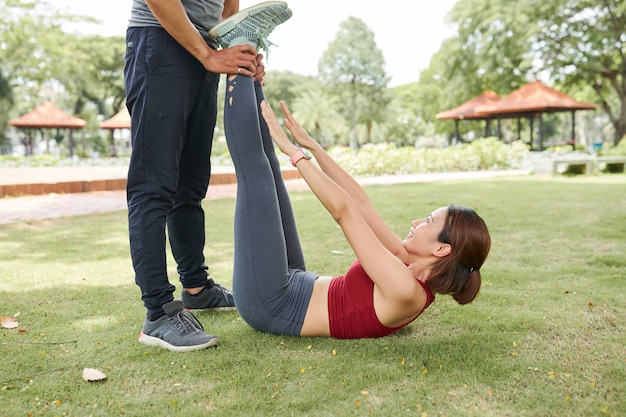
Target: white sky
[{"x": 409, "y": 32}]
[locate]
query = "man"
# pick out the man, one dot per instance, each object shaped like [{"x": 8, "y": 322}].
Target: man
[{"x": 172, "y": 69}]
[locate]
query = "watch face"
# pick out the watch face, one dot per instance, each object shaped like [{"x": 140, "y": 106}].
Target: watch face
[
  {"x": 306, "y": 153},
  {"x": 300, "y": 154}
]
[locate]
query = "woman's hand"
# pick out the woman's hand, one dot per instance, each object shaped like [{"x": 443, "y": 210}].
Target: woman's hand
[
  {"x": 299, "y": 134},
  {"x": 278, "y": 135}
]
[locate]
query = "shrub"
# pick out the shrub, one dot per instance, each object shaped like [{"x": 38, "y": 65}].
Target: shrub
[
  {"x": 387, "y": 159},
  {"x": 618, "y": 150},
  {"x": 370, "y": 160}
]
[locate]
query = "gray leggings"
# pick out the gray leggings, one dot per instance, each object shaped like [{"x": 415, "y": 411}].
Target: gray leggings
[{"x": 272, "y": 289}]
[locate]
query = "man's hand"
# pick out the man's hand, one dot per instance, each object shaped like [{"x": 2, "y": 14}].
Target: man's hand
[
  {"x": 260, "y": 70},
  {"x": 239, "y": 59}
]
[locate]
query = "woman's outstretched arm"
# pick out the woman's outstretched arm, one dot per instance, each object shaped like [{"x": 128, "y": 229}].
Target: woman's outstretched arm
[
  {"x": 388, "y": 272},
  {"x": 389, "y": 239}
]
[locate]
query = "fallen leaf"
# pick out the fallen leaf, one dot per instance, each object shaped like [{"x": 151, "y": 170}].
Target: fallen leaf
[
  {"x": 90, "y": 374},
  {"x": 8, "y": 322}
]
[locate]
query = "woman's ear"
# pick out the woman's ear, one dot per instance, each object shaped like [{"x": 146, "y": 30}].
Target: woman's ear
[{"x": 443, "y": 249}]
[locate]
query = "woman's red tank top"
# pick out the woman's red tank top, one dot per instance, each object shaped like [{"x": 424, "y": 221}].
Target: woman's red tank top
[{"x": 351, "y": 306}]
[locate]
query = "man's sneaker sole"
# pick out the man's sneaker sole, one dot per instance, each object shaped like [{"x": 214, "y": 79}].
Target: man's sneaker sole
[
  {"x": 252, "y": 26},
  {"x": 155, "y": 341},
  {"x": 229, "y": 24},
  {"x": 215, "y": 309}
]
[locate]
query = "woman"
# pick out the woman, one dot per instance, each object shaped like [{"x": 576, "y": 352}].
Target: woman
[{"x": 392, "y": 280}]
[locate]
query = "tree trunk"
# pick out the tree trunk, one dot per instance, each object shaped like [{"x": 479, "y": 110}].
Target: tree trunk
[{"x": 620, "y": 126}]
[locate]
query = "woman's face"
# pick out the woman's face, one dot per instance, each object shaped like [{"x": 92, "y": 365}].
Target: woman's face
[{"x": 423, "y": 234}]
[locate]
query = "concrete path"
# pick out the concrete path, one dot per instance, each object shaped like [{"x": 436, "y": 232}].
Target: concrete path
[{"x": 25, "y": 208}]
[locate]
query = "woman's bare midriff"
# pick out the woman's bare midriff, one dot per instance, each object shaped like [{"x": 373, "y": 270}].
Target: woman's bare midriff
[{"x": 316, "y": 319}]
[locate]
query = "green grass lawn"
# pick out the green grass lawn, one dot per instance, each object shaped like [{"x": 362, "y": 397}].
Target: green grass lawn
[{"x": 545, "y": 337}]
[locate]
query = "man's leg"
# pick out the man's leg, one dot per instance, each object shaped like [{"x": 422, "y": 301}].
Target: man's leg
[
  {"x": 153, "y": 170},
  {"x": 186, "y": 221},
  {"x": 159, "y": 77}
]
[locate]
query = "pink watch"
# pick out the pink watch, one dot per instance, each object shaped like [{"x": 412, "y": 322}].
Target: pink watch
[{"x": 298, "y": 155}]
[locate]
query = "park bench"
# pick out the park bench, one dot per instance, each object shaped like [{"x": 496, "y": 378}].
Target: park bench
[
  {"x": 603, "y": 162},
  {"x": 589, "y": 163}
]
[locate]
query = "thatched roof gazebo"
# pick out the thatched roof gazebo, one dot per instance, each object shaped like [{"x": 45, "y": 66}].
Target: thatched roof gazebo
[
  {"x": 467, "y": 110},
  {"x": 121, "y": 120},
  {"x": 532, "y": 100},
  {"x": 48, "y": 116}
]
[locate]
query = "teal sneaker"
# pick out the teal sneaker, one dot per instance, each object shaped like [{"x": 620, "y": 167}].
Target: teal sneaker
[
  {"x": 251, "y": 25},
  {"x": 178, "y": 330}
]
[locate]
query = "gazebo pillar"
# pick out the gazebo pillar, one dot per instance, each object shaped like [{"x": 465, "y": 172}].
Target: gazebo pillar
[
  {"x": 531, "y": 119},
  {"x": 573, "y": 130},
  {"x": 70, "y": 143},
  {"x": 112, "y": 148},
  {"x": 540, "y": 131}
]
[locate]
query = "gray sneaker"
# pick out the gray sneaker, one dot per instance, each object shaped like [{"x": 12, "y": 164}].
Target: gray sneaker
[
  {"x": 179, "y": 330},
  {"x": 252, "y": 25},
  {"x": 216, "y": 298}
]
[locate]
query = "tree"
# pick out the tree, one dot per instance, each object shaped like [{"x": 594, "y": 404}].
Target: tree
[
  {"x": 404, "y": 121},
  {"x": 490, "y": 51},
  {"x": 502, "y": 44},
  {"x": 10, "y": 55},
  {"x": 352, "y": 69},
  {"x": 39, "y": 61},
  {"x": 582, "y": 42},
  {"x": 493, "y": 43},
  {"x": 287, "y": 86},
  {"x": 448, "y": 81},
  {"x": 6, "y": 101},
  {"x": 279, "y": 85},
  {"x": 317, "y": 112},
  {"x": 95, "y": 74}
]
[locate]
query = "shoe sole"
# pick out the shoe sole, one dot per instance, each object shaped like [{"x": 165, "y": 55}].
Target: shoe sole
[
  {"x": 229, "y": 24},
  {"x": 155, "y": 341},
  {"x": 216, "y": 309}
]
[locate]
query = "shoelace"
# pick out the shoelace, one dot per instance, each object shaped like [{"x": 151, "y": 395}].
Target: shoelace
[
  {"x": 267, "y": 27},
  {"x": 223, "y": 292},
  {"x": 186, "y": 322},
  {"x": 263, "y": 42}
]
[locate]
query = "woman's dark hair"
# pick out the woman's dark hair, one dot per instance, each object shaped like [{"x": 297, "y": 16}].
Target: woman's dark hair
[{"x": 458, "y": 274}]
